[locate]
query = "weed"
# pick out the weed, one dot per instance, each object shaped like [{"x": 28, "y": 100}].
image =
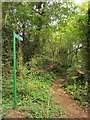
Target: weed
[{"x": 32, "y": 95}]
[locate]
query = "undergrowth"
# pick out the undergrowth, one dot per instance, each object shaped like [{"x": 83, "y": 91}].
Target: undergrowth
[
  {"x": 34, "y": 98},
  {"x": 77, "y": 86}
]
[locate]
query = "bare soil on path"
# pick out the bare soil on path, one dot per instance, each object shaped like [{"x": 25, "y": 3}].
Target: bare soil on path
[
  {"x": 15, "y": 114},
  {"x": 73, "y": 110}
]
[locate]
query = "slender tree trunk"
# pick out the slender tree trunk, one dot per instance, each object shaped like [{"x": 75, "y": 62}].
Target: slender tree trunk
[{"x": 88, "y": 45}]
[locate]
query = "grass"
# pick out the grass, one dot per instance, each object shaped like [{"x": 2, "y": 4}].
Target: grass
[{"x": 33, "y": 95}]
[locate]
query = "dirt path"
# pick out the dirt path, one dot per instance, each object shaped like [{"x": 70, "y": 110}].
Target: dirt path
[
  {"x": 63, "y": 99},
  {"x": 14, "y": 114}
]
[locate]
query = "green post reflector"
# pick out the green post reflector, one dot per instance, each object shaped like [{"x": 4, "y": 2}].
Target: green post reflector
[{"x": 14, "y": 68}]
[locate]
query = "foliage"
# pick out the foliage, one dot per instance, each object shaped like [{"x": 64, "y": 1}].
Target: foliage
[
  {"x": 77, "y": 86},
  {"x": 76, "y": 82},
  {"x": 55, "y": 34},
  {"x": 33, "y": 95}
]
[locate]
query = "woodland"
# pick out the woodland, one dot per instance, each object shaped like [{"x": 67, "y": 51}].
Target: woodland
[{"x": 55, "y": 45}]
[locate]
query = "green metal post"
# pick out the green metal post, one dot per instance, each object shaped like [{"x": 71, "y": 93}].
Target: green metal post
[{"x": 14, "y": 68}]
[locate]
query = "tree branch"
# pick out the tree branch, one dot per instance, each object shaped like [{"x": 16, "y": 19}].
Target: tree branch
[
  {"x": 4, "y": 20},
  {"x": 75, "y": 49}
]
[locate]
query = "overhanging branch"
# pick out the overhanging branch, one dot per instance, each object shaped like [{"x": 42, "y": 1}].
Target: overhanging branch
[{"x": 75, "y": 49}]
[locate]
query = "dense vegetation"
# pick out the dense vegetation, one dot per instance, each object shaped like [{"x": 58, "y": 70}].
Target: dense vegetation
[{"x": 55, "y": 45}]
